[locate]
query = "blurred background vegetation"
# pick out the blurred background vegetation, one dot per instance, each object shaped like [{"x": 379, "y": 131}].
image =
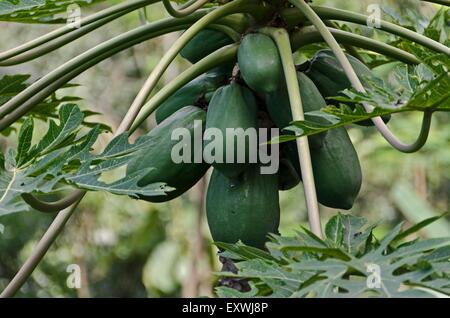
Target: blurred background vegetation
[{"x": 128, "y": 248}]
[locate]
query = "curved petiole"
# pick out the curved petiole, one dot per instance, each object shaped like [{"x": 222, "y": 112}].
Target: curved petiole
[
  {"x": 308, "y": 35},
  {"x": 52, "y": 207},
  {"x": 186, "y": 9},
  {"x": 281, "y": 38},
  {"x": 57, "y": 43},
  {"x": 98, "y": 19},
  {"x": 356, "y": 83},
  {"x": 350, "y": 49},
  {"x": 293, "y": 17},
  {"x": 38, "y": 91}
]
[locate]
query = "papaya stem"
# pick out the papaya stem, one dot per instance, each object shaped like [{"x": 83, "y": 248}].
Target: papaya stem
[
  {"x": 154, "y": 77},
  {"x": 185, "y": 10},
  {"x": 87, "y": 25},
  {"x": 281, "y": 38},
  {"x": 308, "y": 35},
  {"x": 215, "y": 59},
  {"x": 309, "y": 13}
]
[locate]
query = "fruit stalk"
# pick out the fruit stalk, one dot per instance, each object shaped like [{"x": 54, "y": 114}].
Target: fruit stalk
[{"x": 281, "y": 38}]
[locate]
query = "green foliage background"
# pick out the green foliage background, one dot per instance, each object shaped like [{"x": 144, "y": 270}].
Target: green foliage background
[{"x": 129, "y": 248}]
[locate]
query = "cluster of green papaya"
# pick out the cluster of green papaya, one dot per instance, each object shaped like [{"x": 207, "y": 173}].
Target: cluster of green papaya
[{"x": 242, "y": 203}]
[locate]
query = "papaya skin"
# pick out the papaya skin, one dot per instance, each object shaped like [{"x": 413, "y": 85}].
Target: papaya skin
[
  {"x": 157, "y": 155},
  {"x": 337, "y": 171},
  {"x": 328, "y": 75},
  {"x": 287, "y": 176},
  {"x": 232, "y": 106},
  {"x": 201, "y": 87},
  {"x": 204, "y": 43},
  {"x": 245, "y": 209},
  {"x": 279, "y": 109},
  {"x": 260, "y": 63}
]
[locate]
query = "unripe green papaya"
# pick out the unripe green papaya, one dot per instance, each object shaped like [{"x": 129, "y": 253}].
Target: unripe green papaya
[
  {"x": 201, "y": 87},
  {"x": 337, "y": 172},
  {"x": 279, "y": 108},
  {"x": 328, "y": 75},
  {"x": 204, "y": 43},
  {"x": 260, "y": 63},
  {"x": 158, "y": 155},
  {"x": 231, "y": 107},
  {"x": 288, "y": 177},
  {"x": 245, "y": 209}
]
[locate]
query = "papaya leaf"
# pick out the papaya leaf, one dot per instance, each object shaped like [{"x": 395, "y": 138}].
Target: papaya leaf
[
  {"x": 227, "y": 292},
  {"x": 25, "y": 136},
  {"x": 279, "y": 279},
  {"x": 418, "y": 269},
  {"x": 417, "y": 227},
  {"x": 10, "y": 85},
  {"x": 38, "y": 11},
  {"x": 438, "y": 29},
  {"x": 242, "y": 252},
  {"x": 62, "y": 159},
  {"x": 334, "y": 230}
]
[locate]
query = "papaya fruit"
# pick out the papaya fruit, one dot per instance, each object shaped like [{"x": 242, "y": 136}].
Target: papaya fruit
[
  {"x": 288, "y": 177},
  {"x": 245, "y": 209},
  {"x": 279, "y": 109},
  {"x": 204, "y": 43},
  {"x": 328, "y": 75},
  {"x": 232, "y": 107},
  {"x": 336, "y": 167},
  {"x": 158, "y": 155},
  {"x": 260, "y": 63},
  {"x": 191, "y": 93}
]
